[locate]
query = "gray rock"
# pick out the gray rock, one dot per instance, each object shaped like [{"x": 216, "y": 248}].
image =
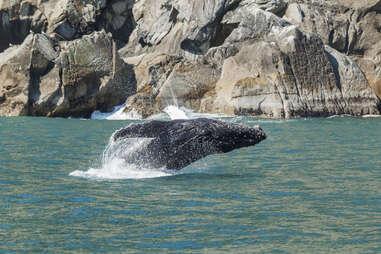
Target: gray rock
[
  {"x": 85, "y": 75},
  {"x": 228, "y": 56},
  {"x": 69, "y": 19},
  {"x": 17, "y": 19},
  {"x": 93, "y": 76},
  {"x": 274, "y": 6},
  {"x": 15, "y": 77},
  {"x": 181, "y": 27},
  {"x": 152, "y": 71},
  {"x": 351, "y": 27},
  {"x": 284, "y": 72},
  {"x": 252, "y": 24},
  {"x": 168, "y": 80},
  {"x": 354, "y": 86},
  {"x": 263, "y": 65}
]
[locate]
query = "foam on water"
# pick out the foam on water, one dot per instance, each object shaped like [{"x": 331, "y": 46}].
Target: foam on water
[
  {"x": 119, "y": 170},
  {"x": 371, "y": 116},
  {"x": 339, "y": 116},
  {"x": 113, "y": 163},
  {"x": 116, "y": 114}
]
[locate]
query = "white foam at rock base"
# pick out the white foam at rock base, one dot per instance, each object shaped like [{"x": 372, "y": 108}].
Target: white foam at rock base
[
  {"x": 116, "y": 114},
  {"x": 371, "y": 116},
  {"x": 175, "y": 112}
]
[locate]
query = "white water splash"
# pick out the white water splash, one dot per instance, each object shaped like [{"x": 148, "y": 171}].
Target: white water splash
[
  {"x": 119, "y": 170},
  {"x": 116, "y": 114},
  {"x": 113, "y": 163},
  {"x": 175, "y": 112}
]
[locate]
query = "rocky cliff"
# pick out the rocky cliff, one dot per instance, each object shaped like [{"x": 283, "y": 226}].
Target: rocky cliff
[{"x": 273, "y": 58}]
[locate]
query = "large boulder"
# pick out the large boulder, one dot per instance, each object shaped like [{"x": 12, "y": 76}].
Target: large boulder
[
  {"x": 169, "y": 80},
  {"x": 277, "y": 7},
  {"x": 187, "y": 28},
  {"x": 284, "y": 72},
  {"x": 351, "y": 27},
  {"x": 17, "y": 19},
  {"x": 64, "y": 19},
  {"x": 67, "y": 79},
  {"x": 15, "y": 76},
  {"x": 70, "y": 19}
]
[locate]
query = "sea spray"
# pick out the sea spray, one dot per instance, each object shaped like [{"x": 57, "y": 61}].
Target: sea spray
[
  {"x": 113, "y": 163},
  {"x": 117, "y": 114},
  {"x": 175, "y": 113}
]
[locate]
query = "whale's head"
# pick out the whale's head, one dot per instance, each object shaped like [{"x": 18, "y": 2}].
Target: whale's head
[{"x": 233, "y": 136}]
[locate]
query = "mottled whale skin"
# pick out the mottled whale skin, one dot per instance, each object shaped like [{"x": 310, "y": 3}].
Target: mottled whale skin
[{"x": 176, "y": 144}]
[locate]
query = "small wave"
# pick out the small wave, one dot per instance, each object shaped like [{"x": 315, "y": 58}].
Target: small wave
[
  {"x": 371, "y": 116},
  {"x": 339, "y": 116},
  {"x": 278, "y": 121},
  {"x": 209, "y": 115}
]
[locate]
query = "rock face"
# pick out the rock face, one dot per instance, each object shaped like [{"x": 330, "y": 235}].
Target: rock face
[
  {"x": 287, "y": 73},
  {"x": 176, "y": 144},
  {"x": 17, "y": 19},
  {"x": 273, "y": 58},
  {"x": 67, "y": 79},
  {"x": 351, "y": 27},
  {"x": 258, "y": 64},
  {"x": 168, "y": 80}
]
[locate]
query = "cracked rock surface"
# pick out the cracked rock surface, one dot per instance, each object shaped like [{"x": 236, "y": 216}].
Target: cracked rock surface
[{"x": 272, "y": 58}]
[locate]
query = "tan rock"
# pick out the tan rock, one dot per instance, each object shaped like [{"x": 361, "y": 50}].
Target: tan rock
[
  {"x": 165, "y": 80},
  {"x": 349, "y": 26},
  {"x": 86, "y": 75}
]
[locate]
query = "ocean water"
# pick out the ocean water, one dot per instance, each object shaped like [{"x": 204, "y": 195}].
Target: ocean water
[{"x": 314, "y": 186}]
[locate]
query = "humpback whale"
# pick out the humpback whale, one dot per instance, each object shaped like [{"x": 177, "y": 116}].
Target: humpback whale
[{"x": 177, "y": 143}]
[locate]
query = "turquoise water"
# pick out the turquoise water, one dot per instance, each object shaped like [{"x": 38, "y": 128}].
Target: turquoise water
[{"x": 312, "y": 187}]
